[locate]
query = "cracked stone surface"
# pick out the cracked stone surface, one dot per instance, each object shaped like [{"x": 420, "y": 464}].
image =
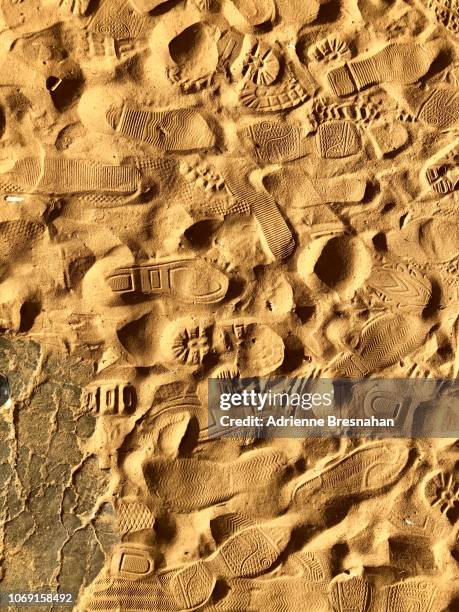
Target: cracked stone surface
[{"x": 53, "y": 533}]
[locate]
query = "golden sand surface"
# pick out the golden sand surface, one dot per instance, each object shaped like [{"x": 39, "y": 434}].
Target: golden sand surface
[{"x": 195, "y": 189}]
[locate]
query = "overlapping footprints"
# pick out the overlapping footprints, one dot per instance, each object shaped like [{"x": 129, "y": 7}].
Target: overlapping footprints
[
  {"x": 191, "y": 587},
  {"x": 400, "y": 286},
  {"x": 58, "y": 175},
  {"x": 132, "y": 561},
  {"x": 261, "y": 65},
  {"x": 112, "y": 401},
  {"x": 401, "y": 63},
  {"x": 442, "y": 171},
  {"x": 303, "y": 587},
  {"x": 150, "y": 459},
  {"x": 284, "y": 594},
  {"x": 194, "y": 57},
  {"x": 269, "y": 111},
  {"x": 446, "y": 12},
  {"x": 442, "y": 491},
  {"x": 231, "y": 185},
  {"x": 121, "y": 19},
  {"x": 329, "y": 49},
  {"x": 275, "y": 231},
  {"x": 357, "y": 593},
  {"x": 183, "y": 129},
  {"x": 345, "y": 593},
  {"x": 270, "y": 78},
  {"x": 110, "y": 397},
  {"x": 350, "y": 593},
  {"x": 133, "y": 515},
  {"x": 383, "y": 341},
  {"x": 187, "y": 485},
  {"x": 246, "y": 550},
  {"x": 19, "y": 236},
  {"x": 169, "y": 411},
  {"x": 189, "y": 280},
  {"x": 440, "y": 108},
  {"x": 276, "y": 142},
  {"x": 288, "y": 94},
  {"x": 253, "y": 348},
  {"x": 337, "y": 139},
  {"x": 415, "y": 593},
  {"x": 113, "y": 593},
  {"x": 366, "y": 470},
  {"x": 164, "y": 130}
]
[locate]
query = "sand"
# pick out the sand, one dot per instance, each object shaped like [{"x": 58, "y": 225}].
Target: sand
[{"x": 197, "y": 189}]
